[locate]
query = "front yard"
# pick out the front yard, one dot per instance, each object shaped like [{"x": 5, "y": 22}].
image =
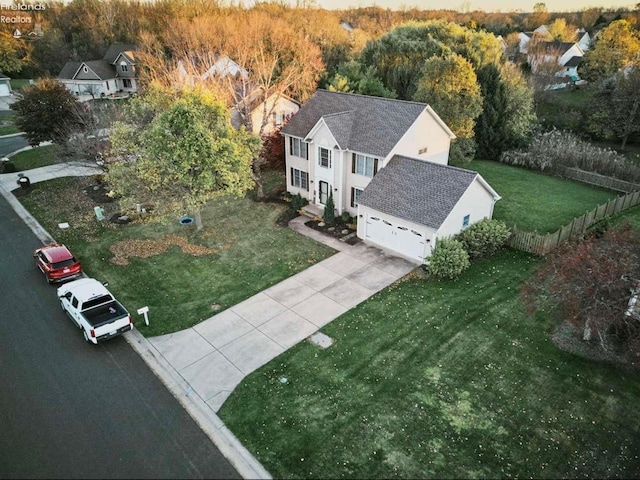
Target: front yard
[
  {"x": 240, "y": 252},
  {"x": 433, "y": 379},
  {"x": 37, "y": 157}
]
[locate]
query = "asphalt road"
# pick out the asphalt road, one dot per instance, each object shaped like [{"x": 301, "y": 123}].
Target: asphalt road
[
  {"x": 72, "y": 410},
  {"x": 11, "y": 144}
]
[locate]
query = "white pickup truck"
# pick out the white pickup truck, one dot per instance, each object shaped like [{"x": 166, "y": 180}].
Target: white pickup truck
[{"x": 94, "y": 310}]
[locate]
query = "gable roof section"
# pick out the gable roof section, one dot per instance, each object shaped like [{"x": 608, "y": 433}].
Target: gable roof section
[
  {"x": 421, "y": 192},
  {"x": 116, "y": 49},
  {"x": 69, "y": 70},
  {"x": 102, "y": 68},
  {"x": 360, "y": 123},
  {"x": 552, "y": 48}
]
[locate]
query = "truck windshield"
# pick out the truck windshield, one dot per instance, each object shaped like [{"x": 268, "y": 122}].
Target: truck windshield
[{"x": 96, "y": 301}]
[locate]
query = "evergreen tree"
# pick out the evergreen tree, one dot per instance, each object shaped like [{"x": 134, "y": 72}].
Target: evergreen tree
[
  {"x": 491, "y": 135},
  {"x": 329, "y": 210}
]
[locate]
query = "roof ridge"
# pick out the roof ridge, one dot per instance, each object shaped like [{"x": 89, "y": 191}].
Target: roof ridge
[
  {"x": 334, "y": 114},
  {"x": 447, "y": 166},
  {"x": 373, "y": 97}
]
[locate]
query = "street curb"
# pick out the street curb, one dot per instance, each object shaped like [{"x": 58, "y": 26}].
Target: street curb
[
  {"x": 9, "y": 135},
  {"x": 214, "y": 428},
  {"x": 230, "y": 447}
]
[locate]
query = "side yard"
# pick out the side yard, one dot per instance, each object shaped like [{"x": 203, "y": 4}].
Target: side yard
[
  {"x": 182, "y": 276},
  {"x": 536, "y": 202}
]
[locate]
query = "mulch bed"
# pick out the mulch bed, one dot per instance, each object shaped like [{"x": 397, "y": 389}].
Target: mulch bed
[{"x": 335, "y": 230}]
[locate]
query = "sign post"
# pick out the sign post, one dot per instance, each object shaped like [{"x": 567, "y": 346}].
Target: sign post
[{"x": 144, "y": 311}]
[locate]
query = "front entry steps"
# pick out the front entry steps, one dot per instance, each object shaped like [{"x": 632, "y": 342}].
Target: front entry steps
[{"x": 312, "y": 211}]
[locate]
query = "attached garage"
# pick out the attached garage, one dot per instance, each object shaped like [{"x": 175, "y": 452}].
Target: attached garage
[
  {"x": 398, "y": 235},
  {"x": 410, "y": 203}
]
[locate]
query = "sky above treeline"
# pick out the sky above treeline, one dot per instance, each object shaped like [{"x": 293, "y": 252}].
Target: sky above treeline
[{"x": 486, "y": 5}]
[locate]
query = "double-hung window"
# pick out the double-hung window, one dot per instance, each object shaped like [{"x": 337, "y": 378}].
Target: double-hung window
[
  {"x": 364, "y": 165},
  {"x": 355, "y": 195},
  {"x": 324, "y": 157},
  {"x": 299, "y": 179},
  {"x": 298, "y": 148}
]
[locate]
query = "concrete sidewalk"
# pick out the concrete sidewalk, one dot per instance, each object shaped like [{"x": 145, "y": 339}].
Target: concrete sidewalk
[{"x": 214, "y": 356}]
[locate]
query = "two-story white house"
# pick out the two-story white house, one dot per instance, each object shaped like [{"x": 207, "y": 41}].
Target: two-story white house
[{"x": 385, "y": 162}]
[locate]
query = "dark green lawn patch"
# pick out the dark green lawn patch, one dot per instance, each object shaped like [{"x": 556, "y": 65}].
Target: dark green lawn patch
[
  {"x": 18, "y": 84},
  {"x": 631, "y": 216},
  {"x": 7, "y": 125},
  {"x": 37, "y": 157},
  {"x": 251, "y": 254},
  {"x": 534, "y": 201},
  {"x": 563, "y": 108},
  {"x": 433, "y": 379}
]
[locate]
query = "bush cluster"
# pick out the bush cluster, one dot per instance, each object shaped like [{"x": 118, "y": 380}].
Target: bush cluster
[
  {"x": 484, "y": 238},
  {"x": 452, "y": 256},
  {"x": 297, "y": 202},
  {"x": 553, "y": 150},
  {"x": 7, "y": 166},
  {"x": 449, "y": 259}
]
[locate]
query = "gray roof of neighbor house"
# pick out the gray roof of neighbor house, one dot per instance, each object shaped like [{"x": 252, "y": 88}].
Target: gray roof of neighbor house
[
  {"x": 361, "y": 123},
  {"x": 69, "y": 70},
  {"x": 417, "y": 191},
  {"x": 103, "y": 69},
  {"x": 556, "y": 47},
  {"x": 118, "y": 48},
  {"x": 573, "y": 61}
]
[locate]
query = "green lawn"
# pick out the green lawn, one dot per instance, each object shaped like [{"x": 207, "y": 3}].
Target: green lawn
[
  {"x": 37, "y": 157},
  {"x": 433, "y": 379},
  {"x": 6, "y": 123},
  {"x": 18, "y": 84},
  {"x": 563, "y": 108},
  {"x": 249, "y": 253},
  {"x": 533, "y": 201}
]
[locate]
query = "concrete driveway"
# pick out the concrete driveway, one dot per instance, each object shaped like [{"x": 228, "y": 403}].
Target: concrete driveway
[{"x": 214, "y": 356}]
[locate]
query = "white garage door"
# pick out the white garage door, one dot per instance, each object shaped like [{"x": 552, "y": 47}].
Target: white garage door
[
  {"x": 4, "y": 90},
  {"x": 395, "y": 236}
]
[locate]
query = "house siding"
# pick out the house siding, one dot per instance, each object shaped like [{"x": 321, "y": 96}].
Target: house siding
[
  {"x": 476, "y": 202},
  {"x": 425, "y": 133},
  {"x": 274, "y": 104}
]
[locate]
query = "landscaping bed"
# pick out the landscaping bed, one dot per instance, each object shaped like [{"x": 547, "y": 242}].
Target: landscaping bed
[
  {"x": 339, "y": 229},
  {"x": 183, "y": 276}
]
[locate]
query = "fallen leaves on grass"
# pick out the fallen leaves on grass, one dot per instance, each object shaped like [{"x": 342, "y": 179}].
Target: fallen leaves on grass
[{"x": 126, "y": 249}]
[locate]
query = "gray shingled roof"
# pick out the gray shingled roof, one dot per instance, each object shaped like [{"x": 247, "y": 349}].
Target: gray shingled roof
[
  {"x": 102, "y": 68},
  {"x": 417, "y": 191},
  {"x": 116, "y": 49},
  {"x": 573, "y": 61},
  {"x": 69, "y": 70},
  {"x": 371, "y": 125}
]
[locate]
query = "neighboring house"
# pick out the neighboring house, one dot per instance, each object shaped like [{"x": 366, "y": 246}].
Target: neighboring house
[
  {"x": 273, "y": 111},
  {"x": 384, "y": 161},
  {"x": 5, "y": 86},
  {"x": 525, "y": 37},
  {"x": 114, "y": 73},
  {"x": 584, "y": 40},
  {"x": 565, "y": 57},
  {"x": 221, "y": 67}
]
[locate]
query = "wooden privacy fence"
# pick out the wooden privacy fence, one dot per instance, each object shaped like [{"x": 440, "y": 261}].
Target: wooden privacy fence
[
  {"x": 541, "y": 244},
  {"x": 596, "y": 179}
]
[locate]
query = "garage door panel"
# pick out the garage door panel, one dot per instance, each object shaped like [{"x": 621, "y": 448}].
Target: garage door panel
[
  {"x": 395, "y": 236},
  {"x": 4, "y": 90}
]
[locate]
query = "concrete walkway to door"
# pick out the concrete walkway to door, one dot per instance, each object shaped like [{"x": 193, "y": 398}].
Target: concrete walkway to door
[{"x": 214, "y": 356}]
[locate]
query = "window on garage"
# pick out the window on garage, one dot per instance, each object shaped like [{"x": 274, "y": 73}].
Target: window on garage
[
  {"x": 364, "y": 165},
  {"x": 465, "y": 221},
  {"x": 355, "y": 195},
  {"x": 299, "y": 179}
]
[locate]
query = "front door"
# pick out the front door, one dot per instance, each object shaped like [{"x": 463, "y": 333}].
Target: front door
[{"x": 324, "y": 192}]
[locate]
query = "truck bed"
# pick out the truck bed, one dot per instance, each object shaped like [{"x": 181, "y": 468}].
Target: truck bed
[{"x": 104, "y": 314}]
